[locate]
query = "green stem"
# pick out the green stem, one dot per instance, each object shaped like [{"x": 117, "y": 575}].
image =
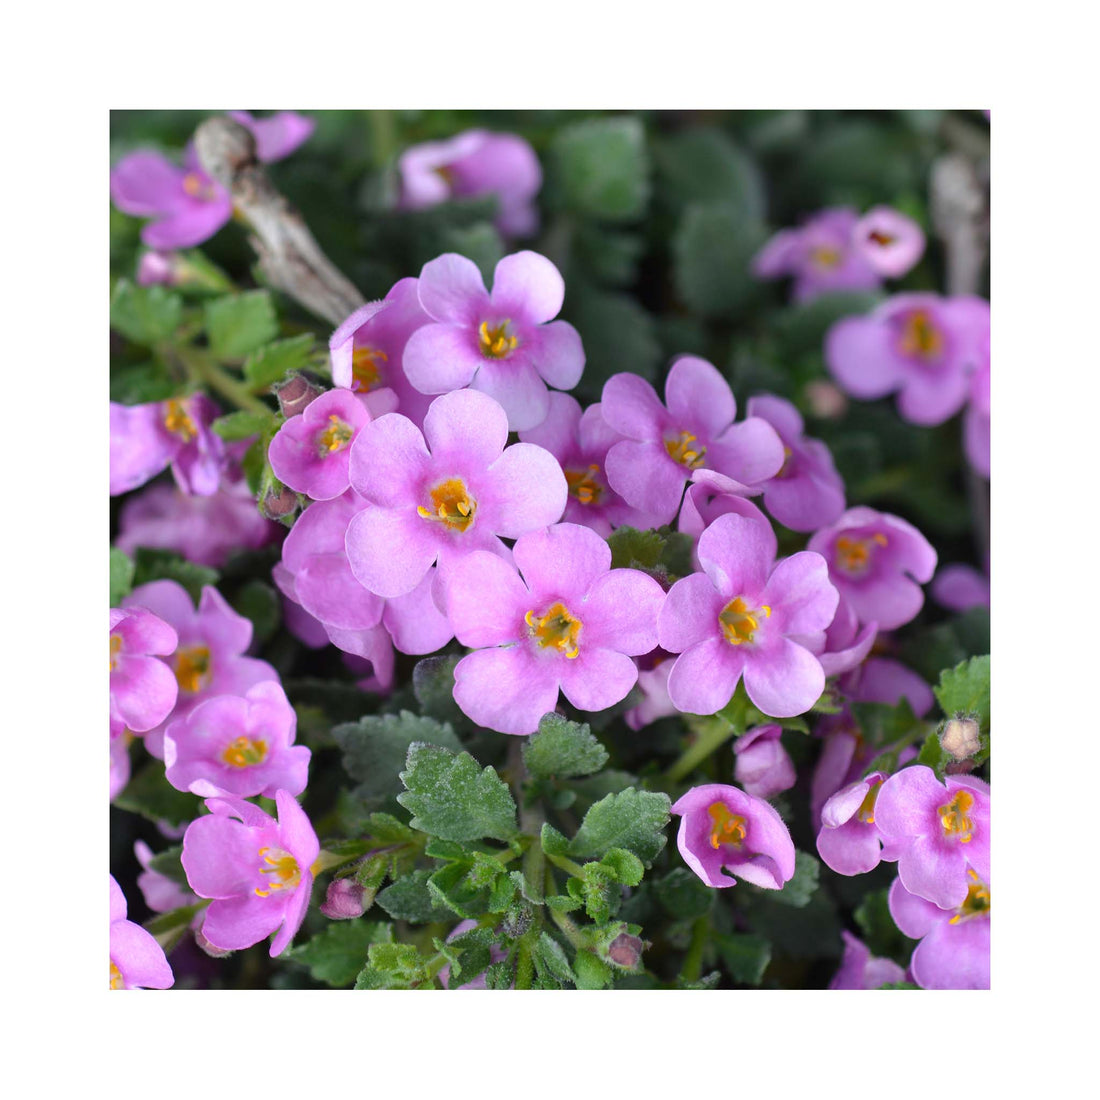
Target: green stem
[
  {"x": 567, "y": 865},
  {"x": 707, "y": 742},
  {"x": 203, "y": 369},
  {"x": 693, "y": 960}
]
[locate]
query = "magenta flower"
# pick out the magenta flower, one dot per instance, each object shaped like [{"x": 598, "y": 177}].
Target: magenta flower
[
  {"x": 209, "y": 658},
  {"x": 278, "y": 135},
  {"x": 953, "y": 952},
  {"x": 443, "y": 493},
  {"x": 186, "y": 205},
  {"x": 960, "y": 587},
  {"x": 849, "y": 842},
  {"x": 580, "y": 442},
  {"x": 822, "y": 255},
  {"x": 711, "y": 495},
  {"x": 367, "y": 352},
  {"x": 311, "y": 452},
  {"x": 761, "y": 764},
  {"x": 258, "y": 871},
  {"x": 860, "y": 970},
  {"x": 157, "y": 268},
  {"x": 890, "y": 242},
  {"x": 475, "y": 162},
  {"x": 205, "y": 530},
  {"x": 726, "y": 835},
  {"x": 162, "y": 894},
  {"x": 976, "y": 437},
  {"x": 882, "y": 680},
  {"x": 504, "y": 343},
  {"x": 572, "y": 622},
  {"x": 120, "y": 761},
  {"x": 137, "y": 960},
  {"x": 878, "y": 562},
  {"x": 920, "y": 345},
  {"x": 807, "y": 493},
  {"x": 143, "y": 689},
  {"x": 935, "y": 831},
  {"x": 241, "y": 745},
  {"x": 746, "y": 615},
  {"x": 146, "y": 438},
  {"x": 846, "y": 646},
  {"x": 664, "y": 446},
  {"x": 653, "y": 684}
]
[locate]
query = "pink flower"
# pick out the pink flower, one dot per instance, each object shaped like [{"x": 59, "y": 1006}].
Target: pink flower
[
  {"x": 258, "y": 871},
  {"x": 849, "y": 842},
  {"x": 504, "y": 343},
  {"x": 137, "y": 960},
  {"x": 278, "y": 135},
  {"x": 889, "y": 241},
  {"x": 143, "y": 689},
  {"x": 242, "y": 745},
  {"x": 745, "y": 614},
  {"x": 572, "y": 623},
  {"x": 860, "y": 970},
  {"x": 960, "y": 587},
  {"x": 761, "y": 764},
  {"x": 726, "y": 834}
]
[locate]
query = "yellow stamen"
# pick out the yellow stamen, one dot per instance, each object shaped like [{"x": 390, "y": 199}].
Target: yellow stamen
[
  {"x": 826, "y": 257},
  {"x": 583, "y": 486},
  {"x": 976, "y": 901},
  {"x": 729, "y": 828},
  {"x": 193, "y": 668},
  {"x": 198, "y": 188},
  {"x": 785, "y": 469},
  {"x": 284, "y": 869},
  {"x": 919, "y": 337},
  {"x": 739, "y": 622},
  {"x": 953, "y": 817},
  {"x": 445, "y": 174},
  {"x": 178, "y": 422},
  {"x": 243, "y": 753},
  {"x": 116, "y": 649},
  {"x": 364, "y": 368},
  {"x": 117, "y": 980},
  {"x": 866, "y": 811},
  {"x": 495, "y": 342},
  {"x": 335, "y": 437},
  {"x": 557, "y": 628},
  {"x": 451, "y": 504},
  {"x": 683, "y": 449},
  {"x": 854, "y": 555}
]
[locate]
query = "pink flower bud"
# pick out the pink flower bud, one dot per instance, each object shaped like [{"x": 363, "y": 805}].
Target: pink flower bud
[
  {"x": 295, "y": 392},
  {"x": 344, "y": 900}
]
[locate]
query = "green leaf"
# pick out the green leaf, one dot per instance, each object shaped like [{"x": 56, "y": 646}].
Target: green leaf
[
  {"x": 454, "y": 797},
  {"x": 634, "y": 549},
  {"x": 391, "y": 966},
  {"x": 337, "y": 955},
  {"x": 965, "y": 690},
  {"x": 553, "y": 843},
  {"x": 148, "y": 793},
  {"x": 746, "y": 956},
  {"x": 610, "y": 256},
  {"x": 625, "y": 866},
  {"x": 550, "y": 955},
  {"x": 145, "y": 314},
  {"x": 631, "y": 819},
  {"x": 376, "y": 747},
  {"x": 800, "y": 327},
  {"x": 169, "y": 928},
  {"x": 122, "y": 575},
  {"x": 684, "y": 894},
  {"x": 433, "y": 682},
  {"x": 879, "y": 932},
  {"x": 259, "y": 602},
  {"x": 591, "y": 972},
  {"x": 619, "y": 335},
  {"x": 881, "y": 724},
  {"x": 933, "y": 755},
  {"x": 479, "y": 242},
  {"x": 602, "y": 168},
  {"x": 242, "y": 424},
  {"x": 168, "y": 863},
  {"x": 899, "y": 985},
  {"x": 455, "y": 886},
  {"x": 240, "y": 323},
  {"x": 254, "y": 463},
  {"x": 270, "y": 363},
  {"x": 410, "y": 899},
  {"x": 154, "y": 565},
  {"x": 803, "y": 885},
  {"x": 712, "y": 253},
  {"x": 703, "y": 165},
  {"x": 144, "y": 383},
  {"x": 740, "y": 712},
  {"x": 562, "y": 748}
]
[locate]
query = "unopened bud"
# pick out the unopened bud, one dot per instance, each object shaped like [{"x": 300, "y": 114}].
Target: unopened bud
[
  {"x": 516, "y": 921},
  {"x": 344, "y": 900},
  {"x": 278, "y": 505},
  {"x": 208, "y": 947},
  {"x": 825, "y": 400},
  {"x": 959, "y": 737},
  {"x": 158, "y": 268},
  {"x": 625, "y": 951},
  {"x": 295, "y": 392}
]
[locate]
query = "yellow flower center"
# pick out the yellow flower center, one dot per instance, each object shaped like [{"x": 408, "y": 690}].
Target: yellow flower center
[
  {"x": 197, "y": 187},
  {"x": 495, "y": 342},
  {"x": 193, "y": 668},
  {"x": 451, "y": 504},
  {"x": 178, "y": 422},
  {"x": 283, "y": 869},
  {"x": 583, "y": 486},
  {"x": 854, "y": 555},
  {"x": 116, "y": 649},
  {"x": 335, "y": 437},
  {"x": 919, "y": 337},
  {"x": 117, "y": 980},
  {"x": 739, "y": 622},
  {"x": 826, "y": 257},
  {"x": 728, "y": 828},
  {"x": 364, "y": 368},
  {"x": 866, "y": 811},
  {"x": 557, "y": 628},
  {"x": 953, "y": 817},
  {"x": 878, "y": 237},
  {"x": 976, "y": 902},
  {"x": 685, "y": 450},
  {"x": 244, "y": 752},
  {"x": 785, "y": 469}
]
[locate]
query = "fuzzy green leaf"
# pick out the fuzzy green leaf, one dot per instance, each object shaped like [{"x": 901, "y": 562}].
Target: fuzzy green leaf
[
  {"x": 240, "y": 323},
  {"x": 241, "y": 424},
  {"x": 631, "y": 819},
  {"x": 122, "y": 575},
  {"x": 746, "y": 956},
  {"x": 410, "y": 899},
  {"x": 270, "y": 363},
  {"x": 148, "y": 793},
  {"x": 337, "y": 955},
  {"x": 602, "y": 168},
  {"x": 562, "y": 748},
  {"x": 155, "y": 565},
  {"x": 965, "y": 690},
  {"x": 145, "y": 314},
  {"x": 803, "y": 885},
  {"x": 259, "y": 603}
]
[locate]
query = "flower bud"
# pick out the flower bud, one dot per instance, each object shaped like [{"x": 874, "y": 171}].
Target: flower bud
[
  {"x": 279, "y": 505},
  {"x": 825, "y": 400},
  {"x": 344, "y": 900},
  {"x": 295, "y": 392},
  {"x": 625, "y": 951},
  {"x": 158, "y": 268},
  {"x": 959, "y": 737},
  {"x": 208, "y": 947}
]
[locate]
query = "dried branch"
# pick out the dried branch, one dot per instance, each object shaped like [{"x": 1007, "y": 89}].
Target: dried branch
[{"x": 290, "y": 257}]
